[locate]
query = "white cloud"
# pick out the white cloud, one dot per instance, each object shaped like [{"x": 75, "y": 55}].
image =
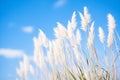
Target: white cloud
[
  {"x": 11, "y": 53},
  {"x": 27, "y": 29},
  {"x": 59, "y": 3}
]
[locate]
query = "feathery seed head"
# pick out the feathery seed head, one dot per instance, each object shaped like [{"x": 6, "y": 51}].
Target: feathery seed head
[
  {"x": 111, "y": 27},
  {"x": 78, "y": 36},
  {"x": 87, "y": 15},
  {"x": 85, "y": 19},
  {"x": 43, "y": 38},
  {"x": 73, "y": 21},
  {"x": 101, "y": 34},
  {"x": 91, "y": 36},
  {"x": 111, "y": 22}
]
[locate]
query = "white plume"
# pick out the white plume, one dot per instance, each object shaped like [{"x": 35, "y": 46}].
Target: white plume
[
  {"x": 111, "y": 27},
  {"x": 43, "y": 39},
  {"x": 90, "y": 41},
  {"x": 85, "y": 19},
  {"x": 101, "y": 35},
  {"x": 73, "y": 21},
  {"x": 78, "y": 36},
  {"x": 87, "y": 15}
]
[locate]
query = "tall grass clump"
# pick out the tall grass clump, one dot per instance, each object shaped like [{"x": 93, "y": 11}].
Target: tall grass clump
[{"x": 68, "y": 57}]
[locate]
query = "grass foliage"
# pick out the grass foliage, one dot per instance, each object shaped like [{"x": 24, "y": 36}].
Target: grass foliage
[{"x": 72, "y": 55}]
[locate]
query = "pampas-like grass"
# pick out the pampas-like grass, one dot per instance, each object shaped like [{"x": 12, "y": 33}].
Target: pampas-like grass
[
  {"x": 90, "y": 40},
  {"x": 101, "y": 35},
  {"x": 60, "y": 31},
  {"x": 67, "y": 58},
  {"x": 111, "y": 27},
  {"x": 78, "y": 37},
  {"x": 85, "y": 19},
  {"x": 24, "y": 68}
]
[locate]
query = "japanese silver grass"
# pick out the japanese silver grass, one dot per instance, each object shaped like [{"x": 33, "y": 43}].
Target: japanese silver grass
[
  {"x": 73, "y": 21},
  {"x": 60, "y": 31},
  {"x": 90, "y": 40},
  {"x": 101, "y": 35},
  {"x": 32, "y": 71},
  {"x": 43, "y": 38},
  {"x": 78, "y": 37},
  {"x": 83, "y": 22},
  {"x": 71, "y": 25},
  {"x": 111, "y": 22},
  {"x": 111, "y": 27},
  {"x": 24, "y": 68},
  {"x": 85, "y": 19},
  {"x": 87, "y": 15},
  {"x": 65, "y": 58}
]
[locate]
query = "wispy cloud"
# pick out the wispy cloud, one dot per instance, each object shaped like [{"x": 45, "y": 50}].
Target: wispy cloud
[
  {"x": 11, "y": 53},
  {"x": 59, "y": 3},
  {"x": 27, "y": 29}
]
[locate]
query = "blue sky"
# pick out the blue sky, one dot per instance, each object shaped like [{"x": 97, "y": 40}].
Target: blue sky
[{"x": 21, "y": 19}]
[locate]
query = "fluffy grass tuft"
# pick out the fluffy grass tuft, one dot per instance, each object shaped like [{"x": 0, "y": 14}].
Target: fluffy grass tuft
[{"x": 68, "y": 57}]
